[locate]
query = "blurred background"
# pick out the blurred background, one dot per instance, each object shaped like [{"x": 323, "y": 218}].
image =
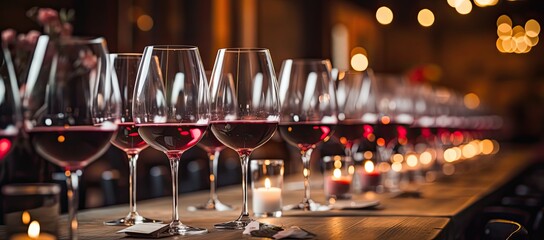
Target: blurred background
[{"x": 459, "y": 44}]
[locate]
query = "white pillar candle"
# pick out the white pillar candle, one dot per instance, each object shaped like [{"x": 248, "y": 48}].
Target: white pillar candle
[{"x": 266, "y": 199}]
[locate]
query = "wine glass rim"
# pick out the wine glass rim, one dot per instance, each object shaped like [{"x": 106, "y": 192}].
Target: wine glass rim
[
  {"x": 307, "y": 60},
  {"x": 173, "y": 47},
  {"x": 125, "y": 55},
  {"x": 81, "y": 40},
  {"x": 244, "y": 49}
]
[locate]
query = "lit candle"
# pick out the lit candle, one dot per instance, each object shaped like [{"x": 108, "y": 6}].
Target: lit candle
[
  {"x": 266, "y": 199},
  {"x": 370, "y": 178},
  {"x": 33, "y": 233},
  {"x": 337, "y": 185}
]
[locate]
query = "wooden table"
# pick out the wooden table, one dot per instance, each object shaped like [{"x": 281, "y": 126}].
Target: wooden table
[{"x": 442, "y": 211}]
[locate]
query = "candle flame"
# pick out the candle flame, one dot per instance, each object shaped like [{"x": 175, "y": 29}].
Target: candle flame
[
  {"x": 369, "y": 166},
  {"x": 25, "y": 217},
  {"x": 34, "y": 229},
  {"x": 267, "y": 183},
  {"x": 337, "y": 173}
]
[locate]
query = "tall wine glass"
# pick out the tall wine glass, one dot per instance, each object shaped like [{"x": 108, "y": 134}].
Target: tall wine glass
[
  {"x": 10, "y": 106},
  {"x": 355, "y": 95},
  {"x": 170, "y": 107},
  {"x": 308, "y": 106},
  {"x": 124, "y": 69},
  {"x": 396, "y": 116},
  {"x": 244, "y": 108},
  {"x": 72, "y": 107},
  {"x": 213, "y": 148}
]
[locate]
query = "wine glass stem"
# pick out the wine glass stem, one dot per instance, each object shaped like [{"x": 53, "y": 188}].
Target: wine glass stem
[
  {"x": 72, "y": 183},
  {"x": 132, "y": 160},
  {"x": 174, "y": 165},
  {"x": 306, "y": 172},
  {"x": 244, "y": 160},
  {"x": 214, "y": 158}
]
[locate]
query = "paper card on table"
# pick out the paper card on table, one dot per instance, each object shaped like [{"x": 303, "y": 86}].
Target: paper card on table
[{"x": 146, "y": 230}]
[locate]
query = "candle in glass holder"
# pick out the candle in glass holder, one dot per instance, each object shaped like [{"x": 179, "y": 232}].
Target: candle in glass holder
[
  {"x": 370, "y": 178},
  {"x": 266, "y": 186},
  {"x": 31, "y": 211},
  {"x": 338, "y": 177}
]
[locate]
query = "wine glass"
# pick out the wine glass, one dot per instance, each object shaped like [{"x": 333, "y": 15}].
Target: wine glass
[
  {"x": 170, "y": 107},
  {"x": 213, "y": 148},
  {"x": 10, "y": 115},
  {"x": 355, "y": 96},
  {"x": 72, "y": 107},
  {"x": 244, "y": 108},
  {"x": 396, "y": 115},
  {"x": 124, "y": 69},
  {"x": 309, "y": 114}
]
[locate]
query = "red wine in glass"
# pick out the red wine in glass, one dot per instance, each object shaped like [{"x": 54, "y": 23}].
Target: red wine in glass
[
  {"x": 243, "y": 135},
  {"x": 210, "y": 143},
  {"x": 6, "y": 143},
  {"x": 349, "y": 132},
  {"x": 305, "y": 135},
  {"x": 128, "y": 139},
  {"x": 172, "y": 137},
  {"x": 71, "y": 147}
]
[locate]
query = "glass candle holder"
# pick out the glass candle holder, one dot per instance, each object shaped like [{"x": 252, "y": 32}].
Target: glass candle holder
[
  {"x": 369, "y": 176},
  {"x": 31, "y": 211},
  {"x": 266, "y": 187},
  {"x": 338, "y": 174}
]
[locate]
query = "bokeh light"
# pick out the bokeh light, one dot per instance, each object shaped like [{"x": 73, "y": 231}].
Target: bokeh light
[{"x": 384, "y": 15}]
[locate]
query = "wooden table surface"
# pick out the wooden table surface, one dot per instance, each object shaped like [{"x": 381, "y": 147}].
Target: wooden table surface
[{"x": 438, "y": 213}]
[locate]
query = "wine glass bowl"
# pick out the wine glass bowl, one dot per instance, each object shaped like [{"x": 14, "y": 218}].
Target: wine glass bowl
[
  {"x": 309, "y": 113},
  {"x": 356, "y": 96},
  {"x": 10, "y": 108},
  {"x": 170, "y": 107},
  {"x": 244, "y": 108},
  {"x": 72, "y": 107},
  {"x": 124, "y": 70}
]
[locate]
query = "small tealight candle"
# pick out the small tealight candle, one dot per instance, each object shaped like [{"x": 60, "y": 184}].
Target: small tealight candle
[
  {"x": 370, "y": 178},
  {"x": 337, "y": 185},
  {"x": 266, "y": 185},
  {"x": 33, "y": 233},
  {"x": 266, "y": 199}
]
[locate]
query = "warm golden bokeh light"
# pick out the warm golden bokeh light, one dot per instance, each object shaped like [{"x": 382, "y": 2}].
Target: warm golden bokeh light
[
  {"x": 368, "y": 155},
  {"x": 411, "y": 160},
  {"x": 504, "y": 19},
  {"x": 532, "y": 28},
  {"x": 450, "y": 155},
  {"x": 464, "y": 8},
  {"x": 369, "y": 166},
  {"x": 397, "y": 157},
  {"x": 425, "y": 158},
  {"x": 485, "y": 3},
  {"x": 454, "y": 3},
  {"x": 360, "y": 50},
  {"x": 468, "y": 151},
  {"x": 396, "y": 166},
  {"x": 471, "y": 101},
  {"x": 384, "y": 167},
  {"x": 384, "y": 15},
  {"x": 359, "y": 62},
  {"x": 144, "y": 23},
  {"x": 25, "y": 217},
  {"x": 425, "y": 17},
  {"x": 504, "y": 31}
]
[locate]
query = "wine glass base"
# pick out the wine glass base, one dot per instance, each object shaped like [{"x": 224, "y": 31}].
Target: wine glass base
[
  {"x": 185, "y": 230},
  {"x": 130, "y": 221},
  {"x": 236, "y": 224},
  {"x": 215, "y": 205},
  {"x": 313, "y": 206}
]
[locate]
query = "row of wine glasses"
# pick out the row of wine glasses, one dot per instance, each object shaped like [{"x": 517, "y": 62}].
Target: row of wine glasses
[{"x": 75, "y": 104}]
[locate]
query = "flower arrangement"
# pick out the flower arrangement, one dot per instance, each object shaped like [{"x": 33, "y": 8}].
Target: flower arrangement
[{"x": 21, "y": 46}]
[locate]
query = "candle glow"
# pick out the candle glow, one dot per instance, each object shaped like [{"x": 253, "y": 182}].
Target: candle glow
[{"x": 34, "y": 229}]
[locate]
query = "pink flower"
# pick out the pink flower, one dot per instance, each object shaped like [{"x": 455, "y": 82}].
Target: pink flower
[
  {"x": 47, "y": 16},
  {"x": 8, "y": 36}
]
